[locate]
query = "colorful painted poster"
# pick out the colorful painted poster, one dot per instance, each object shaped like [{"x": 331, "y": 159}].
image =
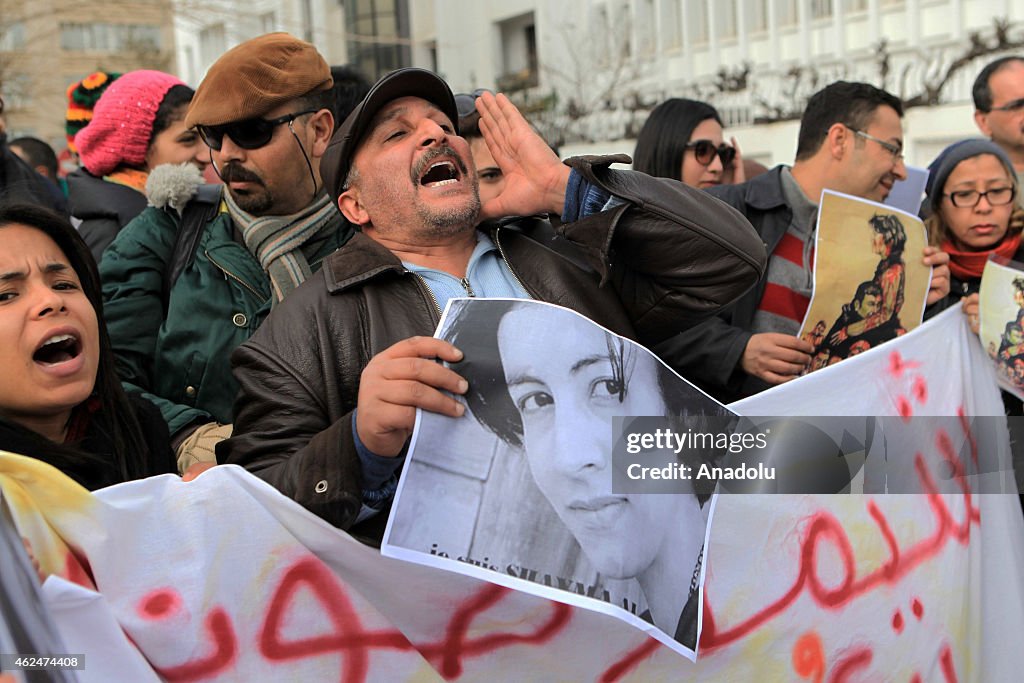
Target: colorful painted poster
[
  {"x": 1001, "y": 313},
  {"x": 869, "y": 283}
]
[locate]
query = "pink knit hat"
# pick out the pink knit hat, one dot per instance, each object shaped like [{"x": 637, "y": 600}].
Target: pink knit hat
[{"x": 122, "y": 121}]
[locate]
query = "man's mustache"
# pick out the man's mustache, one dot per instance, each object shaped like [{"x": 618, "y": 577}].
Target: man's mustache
[
  {"x": 430, "y": 155},
  {"x": 233, "y": 173}
]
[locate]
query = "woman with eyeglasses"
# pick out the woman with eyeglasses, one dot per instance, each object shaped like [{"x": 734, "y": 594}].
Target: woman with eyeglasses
[
  {"x": 971, "y": 214},
  {"x": 137, "y": 125},
  {"x": 682, "y": 139}
]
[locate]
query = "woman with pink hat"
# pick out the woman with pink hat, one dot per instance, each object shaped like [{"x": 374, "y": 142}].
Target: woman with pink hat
[{"x": 138, "y": 124}]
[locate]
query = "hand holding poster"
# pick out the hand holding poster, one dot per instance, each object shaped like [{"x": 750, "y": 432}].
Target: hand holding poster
[
  {"x": 543, "y": 425},
  {"x": 1001, "y": 309},
  {"x": 869, "y": 283}
]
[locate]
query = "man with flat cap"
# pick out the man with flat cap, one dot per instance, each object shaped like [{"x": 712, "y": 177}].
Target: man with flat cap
[
  {"x": 330, "y": 383},
  {"x": 264, "y": 109}
]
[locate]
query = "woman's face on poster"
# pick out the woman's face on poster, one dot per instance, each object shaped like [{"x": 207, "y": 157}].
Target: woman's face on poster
[{"x": 566, "y": 397}]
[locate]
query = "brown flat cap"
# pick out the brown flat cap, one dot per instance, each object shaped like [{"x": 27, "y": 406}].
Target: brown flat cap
[
  {"x": 409, "y": 82},
  {"x": 256, "y": 76}
]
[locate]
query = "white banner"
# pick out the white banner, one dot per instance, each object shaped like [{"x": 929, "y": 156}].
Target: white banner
[{"x": 224, "y": 579}]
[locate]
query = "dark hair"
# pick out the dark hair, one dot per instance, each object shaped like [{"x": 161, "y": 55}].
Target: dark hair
[
  {"x": 37, "y": 153},
  {"x": 172, "y": 109},
  {"x": 865, "y": 288},
  {"x": 980, "y": 91},
  {"x": 1018, "y": 284},
  {"x": 475, "y": 326},
  {"x": 349, "y": 89},
  {"x": 115, "y": 416},
  {"x": 851, "y": 104},
  {"x": 662, "y": 141},
  {"x": 891, "y": 229}
]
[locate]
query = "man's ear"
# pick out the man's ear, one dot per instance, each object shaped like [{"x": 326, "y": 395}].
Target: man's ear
[
  {"x": 352, "y": 208},
  {"x": 322, "y": 125},
  {"x": 836, "y": 139},
  {"x": 981, "y": 120}
]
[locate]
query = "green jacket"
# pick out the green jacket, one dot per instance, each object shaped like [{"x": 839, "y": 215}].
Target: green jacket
[{"x": 181, "y": 360}]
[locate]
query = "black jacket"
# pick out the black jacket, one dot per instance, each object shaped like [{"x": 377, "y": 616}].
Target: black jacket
[
  {"x": 709, "y": 353},
  {"x": 103, "y": 207},
  {"x": 670, "y": 256}
]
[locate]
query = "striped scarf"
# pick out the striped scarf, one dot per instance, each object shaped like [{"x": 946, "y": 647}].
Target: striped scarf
[{"x": 282, "y": 244}]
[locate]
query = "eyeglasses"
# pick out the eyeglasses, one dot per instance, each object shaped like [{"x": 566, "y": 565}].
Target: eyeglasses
[
  {"x": 704, "y": 151},
  {"x": 465, "y": 103},
  {"x": 1014, "y": 106},
  {"x": 895, "y": 150},
  {"x": 997, "y": 196},
  {"x": 248, "y": 134}
]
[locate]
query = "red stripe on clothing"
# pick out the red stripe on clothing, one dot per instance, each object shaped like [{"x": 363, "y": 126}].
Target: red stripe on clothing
[
  {"x": 792, "y": 249},
  {"x": 784, "y": 302}
]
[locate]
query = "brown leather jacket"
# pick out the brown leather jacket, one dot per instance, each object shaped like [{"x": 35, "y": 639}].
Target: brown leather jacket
[{"x": 669, "y": 257}]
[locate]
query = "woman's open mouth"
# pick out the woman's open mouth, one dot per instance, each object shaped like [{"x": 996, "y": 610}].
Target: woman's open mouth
[{"x": 58, "y": 349}]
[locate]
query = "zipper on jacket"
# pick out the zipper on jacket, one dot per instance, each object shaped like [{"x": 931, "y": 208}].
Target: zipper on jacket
[
  {"x": 430, "y": 294},
  {"x": 468, "y": 287},
  {"x": 228, "y": 274},
  {"x": 501, "y": 251}
]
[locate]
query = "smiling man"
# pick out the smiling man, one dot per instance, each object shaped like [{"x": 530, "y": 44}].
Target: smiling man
[
  {"x": 264, "y": 111},
  {"x": 850, "y": 141},
  {"x": 331, "y": 382}
]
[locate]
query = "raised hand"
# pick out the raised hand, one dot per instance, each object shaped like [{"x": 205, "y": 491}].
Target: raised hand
[{"x": 535, "y": 178}]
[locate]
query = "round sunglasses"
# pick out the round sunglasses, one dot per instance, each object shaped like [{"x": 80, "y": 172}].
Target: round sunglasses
[
  {"x": 704, "y": 151},
  {"x": 249, "y": 133},
  {"x": 465, "y": 103}
]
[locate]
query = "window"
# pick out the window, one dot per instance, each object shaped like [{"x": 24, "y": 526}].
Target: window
[
  {"x": 519, "y": 53},
  {"x": 725, "y": 18},
  {"x": 12, "y": 36},
  {"x": 212, "y": 44},
  {"x": 757, "y": 15},
  {"x": 788, "y": 13},
  {"x": 646, "y": 30},
  {"x": 855, "y": 5},
  {"x": 268, "y": 22},
  {"x": 109, "y": 37},
  {"x": 821, "y": 9},
  {"x": 671, "y": 24},
  {"x": 381, "y": 29},
  {"x": 697, "y": 15}
]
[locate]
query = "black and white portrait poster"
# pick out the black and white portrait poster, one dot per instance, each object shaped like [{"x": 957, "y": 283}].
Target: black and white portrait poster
[{"x": 519, "y": 491}]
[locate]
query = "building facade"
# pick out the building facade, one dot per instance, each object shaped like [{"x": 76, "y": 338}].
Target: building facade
[
  {"x": 45, "y": 45},
  {"x": 589, "y": 71}
]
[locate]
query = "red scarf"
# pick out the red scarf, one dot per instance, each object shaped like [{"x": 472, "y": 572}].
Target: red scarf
[{"x": 968, "y": 265}]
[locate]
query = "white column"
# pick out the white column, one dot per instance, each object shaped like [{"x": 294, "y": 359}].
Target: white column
[
  {"x": 838, "y": 30},
  {"x": 773, "y": 33},
  {"x": 913, "y": 22},
  {"x": 803, "y": 11},
  {"x": 712, "y": 35},
  {"x": 874, "y": 23},
  {"x": 741, "y": 28}
]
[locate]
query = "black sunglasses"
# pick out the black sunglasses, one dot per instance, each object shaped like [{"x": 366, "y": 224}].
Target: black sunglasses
[
  {"x": 465, "y": 103},
  {"x": 704, "y": 151},
  {"x": 247, "y": 134}
]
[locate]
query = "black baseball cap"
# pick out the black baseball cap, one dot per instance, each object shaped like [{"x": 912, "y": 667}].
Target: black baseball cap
[{"x": 411, "y": 82}]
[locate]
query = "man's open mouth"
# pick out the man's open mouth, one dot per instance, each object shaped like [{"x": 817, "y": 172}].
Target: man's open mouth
[
  {"x": 440, "y": 174},
  {"x": 59, "y": 348}
]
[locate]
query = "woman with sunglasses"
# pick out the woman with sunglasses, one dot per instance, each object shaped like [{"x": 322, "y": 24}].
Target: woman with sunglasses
[
  {"x": 137, "y": 125},
  {"x": 682, "y": 139},
  {"x": 61, "y": 400}
]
